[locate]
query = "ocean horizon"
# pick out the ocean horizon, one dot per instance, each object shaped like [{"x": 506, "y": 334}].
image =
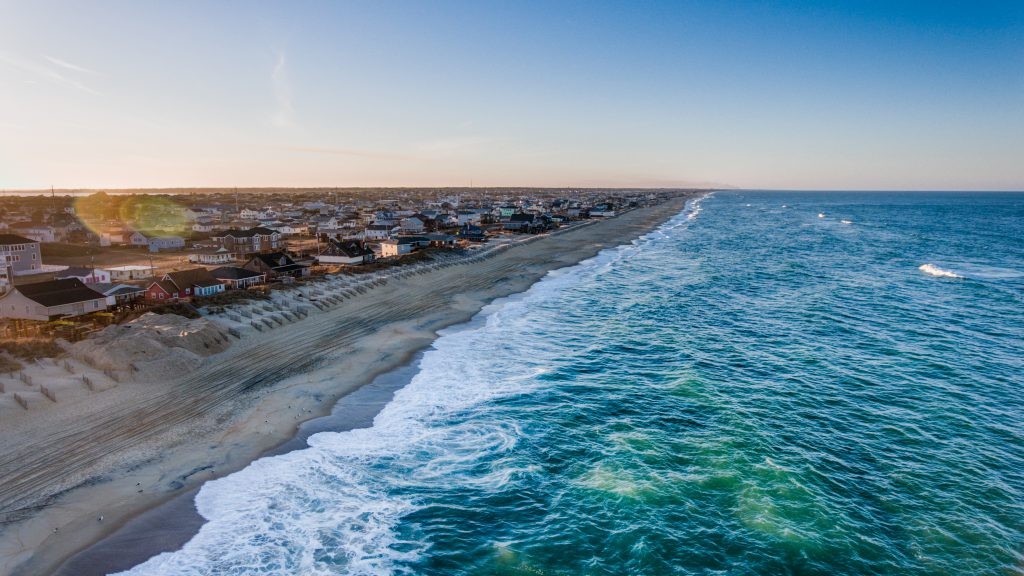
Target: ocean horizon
[{"x": 770, "y": 382}]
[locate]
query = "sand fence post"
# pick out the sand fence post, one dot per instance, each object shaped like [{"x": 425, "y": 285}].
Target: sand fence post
[{"x": 48, "y": 393}]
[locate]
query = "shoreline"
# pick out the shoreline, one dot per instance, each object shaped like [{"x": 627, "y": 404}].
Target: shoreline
[
  {"x": 168, "y": 526},
  {"x": 245, "y": 402}
]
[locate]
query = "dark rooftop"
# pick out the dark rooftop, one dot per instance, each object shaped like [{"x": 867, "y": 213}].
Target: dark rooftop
[
  {"x": 58, "y": 292},
  {"x": 7, "y": 239}
]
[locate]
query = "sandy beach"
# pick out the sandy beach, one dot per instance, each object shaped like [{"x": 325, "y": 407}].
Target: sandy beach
[{"x": 114, "y": 454}]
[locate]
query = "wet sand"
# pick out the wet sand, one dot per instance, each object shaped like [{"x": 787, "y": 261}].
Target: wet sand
[{"x": 143, "y": 444}]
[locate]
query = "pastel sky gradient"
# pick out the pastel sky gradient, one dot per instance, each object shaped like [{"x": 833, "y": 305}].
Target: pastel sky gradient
[{"x": 826, "y": 95}]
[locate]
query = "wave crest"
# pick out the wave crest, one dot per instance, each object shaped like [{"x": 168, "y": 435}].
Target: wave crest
[{"x": 933, "y": 270}]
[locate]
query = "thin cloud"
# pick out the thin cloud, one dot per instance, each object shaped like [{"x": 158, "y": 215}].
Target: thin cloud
[
  {"x": 444, "y": 146},
  {"x": 346, "y": 152},
  {"x": 68, "y": 65},
  {"x": 284, "y": 116},
  {"x": 44, "y": 72}
]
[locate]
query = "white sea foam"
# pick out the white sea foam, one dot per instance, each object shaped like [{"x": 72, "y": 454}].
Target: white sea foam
[
  {"x": 933, "y": 270},
  {"x": 984, "y": 271},
  {"x": 334, "y": 507}
]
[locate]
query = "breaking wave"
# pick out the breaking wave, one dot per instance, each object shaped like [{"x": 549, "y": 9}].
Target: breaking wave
[
  {"x": 333, "y": 508},
  {"x": 933, "y": 270}
]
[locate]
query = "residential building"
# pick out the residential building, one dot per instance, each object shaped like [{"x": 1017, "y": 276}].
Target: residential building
[
  {"x": 130, "y": 272},
  {"x": 203, "y": 225},
  {"x": 184, "y": 284},
  {"x": 468, "y": 217},
  {"x": 164, "y": 243},
  {"x": 441, "y": 240},
  {"x": 524, "y": 223},
  {"x": 413, "y": 225},
  {"x": 51, "y": 300},
  {"x": 347, "y": 252},
  {"x": 379, "y": 231},
  {"x": 402, "y": 245},
  {"x": 138, "y": 239},
  {"x": 243, "y": 243},
  {"x": 120, "y": 294},
  {"x": 293, "y": 229},
  {"x": 276, "y": 264},
  {"x": 472, "y": 233},
  {"x": 237, "y": 278},
  {"x": 211, "y": 255},
  {"x": 38, "y": 233},
  {"x": 86, "y": 275},
  {"x": 163, "y": 290},
  {"x": 19, "y": 253},
  {"x": 249, "y": 214}
]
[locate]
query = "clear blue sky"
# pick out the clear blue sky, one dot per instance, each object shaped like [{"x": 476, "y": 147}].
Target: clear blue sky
[{"x": 867, "y": 95}]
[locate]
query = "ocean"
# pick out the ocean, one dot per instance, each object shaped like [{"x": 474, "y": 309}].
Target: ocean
[{"x": 769, "y": 383}]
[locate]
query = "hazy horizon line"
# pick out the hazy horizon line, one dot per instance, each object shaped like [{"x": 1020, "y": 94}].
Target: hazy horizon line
[{"x": 13, "y": 191}]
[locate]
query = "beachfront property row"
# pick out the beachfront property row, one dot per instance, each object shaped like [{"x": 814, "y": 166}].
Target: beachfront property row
[
  {"x": 219, "y": 231},
  {"x": 78, "y": 291},
  {"x": 70, "y": 297}
]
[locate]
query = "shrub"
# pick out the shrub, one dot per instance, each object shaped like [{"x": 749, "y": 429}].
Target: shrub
[
  {"x": 8, "y": 364},
  {"x": 31, "y": 349}
]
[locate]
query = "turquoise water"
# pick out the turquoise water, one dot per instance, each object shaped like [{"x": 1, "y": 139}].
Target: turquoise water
[{"x": 751, "y": 389}]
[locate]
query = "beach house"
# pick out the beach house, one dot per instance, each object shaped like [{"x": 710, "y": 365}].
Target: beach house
[
  {"x": 275, "y": 265},
  {"x": 235, "y": 278},
  {"x": 120, "y": 295},
  {"x": 472, "y": 233},
  {"x": 51, "y": 300},
  {"x": 184, "y": 284},
  {"x": 402, "y": 245},
  {"x": 345, "y": 252}
]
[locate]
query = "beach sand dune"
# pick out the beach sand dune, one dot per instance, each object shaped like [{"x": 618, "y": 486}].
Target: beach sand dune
[{"x": 179, "y": 423}]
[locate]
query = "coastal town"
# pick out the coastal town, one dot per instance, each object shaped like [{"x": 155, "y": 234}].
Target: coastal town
[{"x": 74, "y": 264}]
